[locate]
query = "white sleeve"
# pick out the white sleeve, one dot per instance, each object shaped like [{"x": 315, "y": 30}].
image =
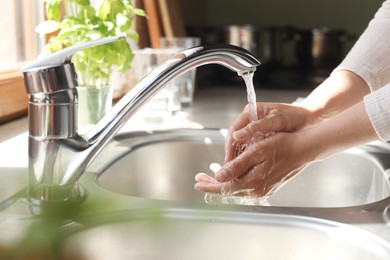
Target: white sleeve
[
  {"x": 378, "y": 109},
  {"x": 370, "y": 56}
]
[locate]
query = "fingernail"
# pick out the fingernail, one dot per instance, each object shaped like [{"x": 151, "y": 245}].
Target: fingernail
[
  {"x": 196, "y": 187},
  {"x": 240, "y": 134},
  {"x": 215, "y": 167}
]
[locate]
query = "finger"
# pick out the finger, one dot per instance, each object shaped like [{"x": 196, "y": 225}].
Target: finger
[
  {"x": 239, "y": 165},
  {"x": 259, "y": 176},
  {"x": 230, "y": 149},
  {"x": 230, "y": 141},
  {"x": 248, "y": 184},
  {"x": 269, "y": 123},
  {"x": 275, "y": 118},
  {"x": 251, "y": 182},
  {"x": 242, "y": 120},
  {"x": 226, "y": 188},
  {"x": 203, "y": 177},
  {"x": 210, "y": 187},
  {"x": 274, "y": 122}
]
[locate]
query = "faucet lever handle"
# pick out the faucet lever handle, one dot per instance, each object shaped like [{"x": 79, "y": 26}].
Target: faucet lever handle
[{"x": 65, "y": 55}]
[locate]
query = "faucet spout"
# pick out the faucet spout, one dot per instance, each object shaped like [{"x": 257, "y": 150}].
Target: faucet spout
[{"x": 58, "y": 154}]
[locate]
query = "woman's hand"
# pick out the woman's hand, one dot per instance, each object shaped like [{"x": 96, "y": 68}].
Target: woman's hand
[
  {"x": 266, "y": 160},
  {"x": 257, "y": 153},
  {"x": 273, "y": 117},
  {"x": 261, "y": 167}
]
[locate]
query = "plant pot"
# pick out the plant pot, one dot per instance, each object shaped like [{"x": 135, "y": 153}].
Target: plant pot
[{"x": 93, "y": 104}]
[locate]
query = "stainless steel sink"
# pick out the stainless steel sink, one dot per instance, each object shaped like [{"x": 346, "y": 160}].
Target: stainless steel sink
[
  {"x": 193, "y": 234},
  {"x": 162, "y": 166}
]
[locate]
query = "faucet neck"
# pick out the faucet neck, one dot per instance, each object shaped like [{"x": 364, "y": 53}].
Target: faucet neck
[{"x": 58, "y": 155}]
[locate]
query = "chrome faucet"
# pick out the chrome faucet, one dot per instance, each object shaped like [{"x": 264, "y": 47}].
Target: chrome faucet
[{"x": 58, "y": 154}]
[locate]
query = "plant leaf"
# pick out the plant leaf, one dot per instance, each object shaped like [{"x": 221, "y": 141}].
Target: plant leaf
[
  {"x": 83, "y": 23},
  {"x": 53, "y": 10}
]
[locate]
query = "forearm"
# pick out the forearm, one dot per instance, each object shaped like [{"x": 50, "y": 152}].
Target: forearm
[
  {"x": 339, "y": 92},
  {"x": 350, "y": 128}
]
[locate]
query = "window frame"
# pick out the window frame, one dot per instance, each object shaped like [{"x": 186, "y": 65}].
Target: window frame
[{"x": 13, "y": 97}]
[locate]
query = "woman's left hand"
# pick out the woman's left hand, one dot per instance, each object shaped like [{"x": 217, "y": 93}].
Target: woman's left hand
[{"x": 261, "y": 167}]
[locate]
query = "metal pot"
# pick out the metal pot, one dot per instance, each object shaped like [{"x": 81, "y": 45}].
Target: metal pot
[
  {"x": 244, "y": 36},
  {"x": 264, "y": 42},
  {"x": 320, "y": 48},
  {"x": 271, "y": 45}
]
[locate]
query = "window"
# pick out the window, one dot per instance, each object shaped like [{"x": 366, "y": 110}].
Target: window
[
  {"x": 19, "y": 43},
  {"x": 17, "y": 26}
]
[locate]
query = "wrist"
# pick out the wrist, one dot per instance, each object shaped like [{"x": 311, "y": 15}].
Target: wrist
[
  {"x": 337, "y": 93},
  {"x": 308, "y": 146},
  {"x": 349, "y": 128}
]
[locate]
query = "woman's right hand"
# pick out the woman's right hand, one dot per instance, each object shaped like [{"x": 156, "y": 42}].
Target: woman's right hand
[{"x": 273, "y": 117}]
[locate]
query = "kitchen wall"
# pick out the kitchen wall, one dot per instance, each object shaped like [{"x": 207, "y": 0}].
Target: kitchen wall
[{"x": 351, "y": 15}]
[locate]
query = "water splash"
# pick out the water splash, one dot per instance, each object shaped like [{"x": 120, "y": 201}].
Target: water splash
[
  {"x": 237, "y": 197},
  {"x": 234, "y": 199},
  {"x": 243, "y": 196}
]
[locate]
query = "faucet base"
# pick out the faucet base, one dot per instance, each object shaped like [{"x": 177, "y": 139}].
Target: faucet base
[{"x": 59, "y": 200}]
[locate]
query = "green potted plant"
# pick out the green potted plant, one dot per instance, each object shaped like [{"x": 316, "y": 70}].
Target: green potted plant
[{"x": 78, "y": 21}]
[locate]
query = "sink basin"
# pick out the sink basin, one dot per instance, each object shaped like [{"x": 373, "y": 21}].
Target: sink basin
[
  {"x": 162, "y": 166},
  {"x": 195, "y": 234}
]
